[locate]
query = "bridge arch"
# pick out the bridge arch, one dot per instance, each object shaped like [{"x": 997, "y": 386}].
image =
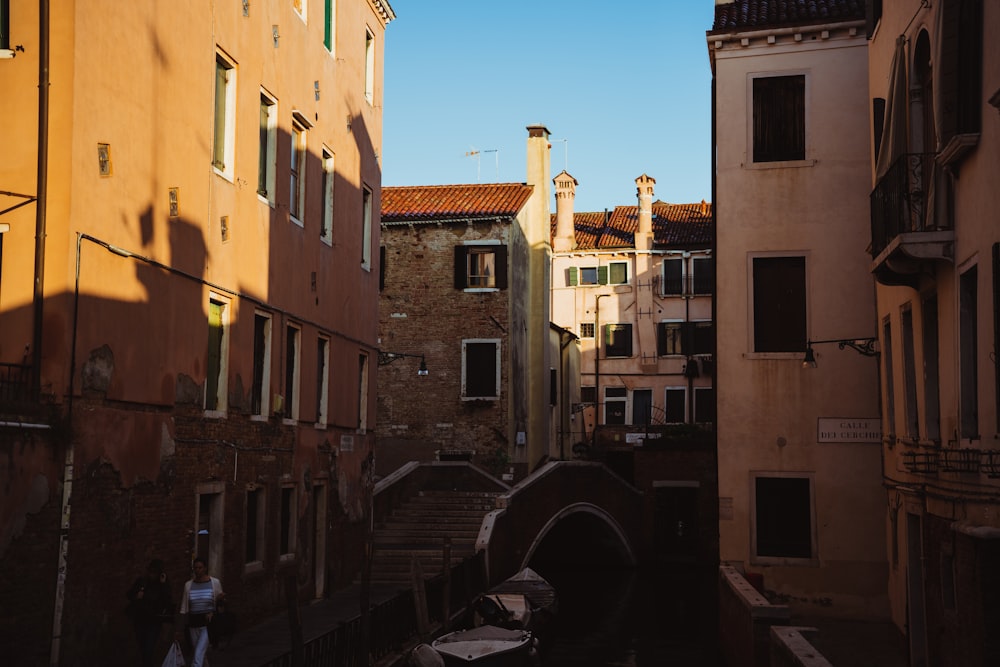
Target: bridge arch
[
  {"x": 569, "y": 498},
  {"x": 609, "y": 533}
]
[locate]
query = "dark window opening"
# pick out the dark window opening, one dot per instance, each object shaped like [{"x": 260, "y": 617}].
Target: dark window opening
[
  {"x": 783, "y": 517},
  {"x": 779, "y": 118},
  {"x": 480, "y": 370},
  {"x": 779, "y": 304},
  {"x": 618, "y": 340}
]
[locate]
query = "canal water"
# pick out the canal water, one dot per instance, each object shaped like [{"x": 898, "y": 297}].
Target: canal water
[{"x": 633, "y": 618}]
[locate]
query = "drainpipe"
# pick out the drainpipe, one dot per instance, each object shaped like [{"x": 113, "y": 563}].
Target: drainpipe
[
  {"x": 41, "y": 185},
  {"x": 597, "y": 361}
]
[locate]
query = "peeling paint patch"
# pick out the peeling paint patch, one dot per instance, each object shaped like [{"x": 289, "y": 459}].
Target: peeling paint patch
[
  {"x": 187, "y": 391},
  {"x": 98, "y": 369}
]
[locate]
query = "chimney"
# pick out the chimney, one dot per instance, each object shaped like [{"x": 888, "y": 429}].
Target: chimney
[
  {"x": 644, "y": 190},
  {"x": 704, "y": 207},
  {"x": 565, "y": 238}
]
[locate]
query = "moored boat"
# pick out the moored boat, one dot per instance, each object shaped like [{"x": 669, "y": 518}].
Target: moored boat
[{"x": 485, "y": 646}]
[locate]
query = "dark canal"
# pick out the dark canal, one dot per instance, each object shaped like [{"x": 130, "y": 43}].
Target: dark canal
[{"x": 626, "y": 618}]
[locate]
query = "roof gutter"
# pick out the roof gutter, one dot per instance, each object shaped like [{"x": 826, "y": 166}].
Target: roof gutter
[{"x": 718, "y": 39}]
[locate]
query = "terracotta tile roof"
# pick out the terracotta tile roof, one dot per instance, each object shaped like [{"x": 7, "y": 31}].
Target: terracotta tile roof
[
  {"x": 673, "y": 225},
  {"x": 427, "y": 203},
  {"x": 753, "y": 14}
]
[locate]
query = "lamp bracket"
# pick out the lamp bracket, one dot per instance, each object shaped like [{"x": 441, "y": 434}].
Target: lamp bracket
[{"x": 865, "y": 346}]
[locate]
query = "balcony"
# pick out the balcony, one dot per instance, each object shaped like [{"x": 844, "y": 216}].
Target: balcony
[
  {"x": 15, "y": 384},
  {"x": 908, "y": 226}
]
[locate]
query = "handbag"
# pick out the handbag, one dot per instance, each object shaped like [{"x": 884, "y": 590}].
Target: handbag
[{"x": 174, "y": 657}]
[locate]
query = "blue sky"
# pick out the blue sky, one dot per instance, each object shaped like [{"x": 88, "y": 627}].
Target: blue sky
[{"x": 624, "y": 89}]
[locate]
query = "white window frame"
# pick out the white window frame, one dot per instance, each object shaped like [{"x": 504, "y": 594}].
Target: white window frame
[
  {"x": 364, "y": 366},
  {"x": 215, "y": 521},
  {"x": 663, "y": 276},
  {"x": 587, "y": 330},
  {"x": 367, "y": 197},
  {"x": 628, "y": 273},
  {"x": 626, "y": 402},
  {"x": 329, "y": 179},
  {"x": 291, "y": 411},
  {"x": 323, "y": 381},
  {"x": 265, "y": 384},
  {"x": 496, "y": 343},
  {"x": 269, "y": 148},
  {"x": 226, "y": 169},
  {"x": 297, "y": 169},
  {"x": 680, "y": 332},
  {"x": 222, "y": 388},
  {"x": 369, "y": 66},
  {"x": 301, "y": 8}
]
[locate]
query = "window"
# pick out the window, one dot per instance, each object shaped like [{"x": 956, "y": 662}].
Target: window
[
  {"x": 481, "y": 266},
  {"x": 932, "y": 394},
  {"x": 873, "y": 14},
  {"x": 326, "y": 230},
  {"x": 588, "y": 395},
  {"x": 216, "y": 376},
  {"x": 890, "y": 391},
  {"x": 322, "y": 379},
  {"x": 642, "y": 406},
  {"x": 330, "y": 25},
  {"x": 362, "y": 393},
  {"x": 673, "y": 276},
  {"x": 267, "y": 147},
  {"x": 783, "y": 526},
  {"x": 960, "y": 74},
  {"x": 687, "y": 338},
  {"x": 704, "y": 405},
  {"x": 587, "y": 275},
  {"x": 225, "y": 120},
  {"x": 297, "y": 172},
  {"x": 910, "y": 375},
  {"x": 618, "y": 273},
  {"x": 369, "y": 66},
  {"x": 209, "y": 524},
  {"x": 618, "y": 340},
  {"x": 300, "y": 8},
  {"x": 586, "y": 329},
  {"x": 779, "y": 304},
  {"x": 481, "y": 369},
  {"x": 288, "y": 523},
  {"x": 4, "y": 25},
  {"x": 366, "y": 231},
  {"x": 669, "y": 339},
  {"x": 675, "y": 405},
  {"x": 254, "y": 530},
  {"x": 701, "y": 282},
  {"x": 615, "y": 405},
  {"x": 553, "y": 387},
  {"x": 291, "y": 407},
  {"x": 779, "y": 118},
  {"x": 261, "y": 363},
  {"x": 968, "y": 347}
]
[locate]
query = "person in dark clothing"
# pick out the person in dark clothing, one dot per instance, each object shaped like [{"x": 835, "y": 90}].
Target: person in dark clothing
[{"x": 150, "y": 605}]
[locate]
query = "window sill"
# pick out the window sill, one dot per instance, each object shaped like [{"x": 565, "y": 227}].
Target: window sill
[
  {"x": 253, "y": 567},
  {"x": 284, "y": 559},
  {"x": 327, "y": 240},
  {"x": 472, "y": 290},
  {"x": 215, "y": 414},
  {"x": 483, "y": 399},
  {"x": 223, "y": 174},
  {"x": 295, "y": 221},
  {"x": 766, "y": 356},
  {"x": 288, "y": 421},
  {"x": 789, "y": 562},
  {"x": 258, "y": 418},
  {"x": 780, "y": 164},
  {"x": 263, "y": 199},
  {"x": 320, "y": 426}
]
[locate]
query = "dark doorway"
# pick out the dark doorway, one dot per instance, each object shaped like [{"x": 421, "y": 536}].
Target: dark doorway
[{"x": 676, "y": 522}]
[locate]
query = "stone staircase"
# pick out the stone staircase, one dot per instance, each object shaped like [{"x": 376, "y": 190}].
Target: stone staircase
[{"x": 418, "y": 528}]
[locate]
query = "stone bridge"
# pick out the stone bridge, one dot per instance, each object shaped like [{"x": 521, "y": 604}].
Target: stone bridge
[{"x": 573, "y": 511}]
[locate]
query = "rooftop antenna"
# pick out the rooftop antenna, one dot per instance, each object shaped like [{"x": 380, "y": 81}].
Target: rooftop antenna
[
  {"x": 478, "y": 155},
  {"x": 565, "y": 143}
]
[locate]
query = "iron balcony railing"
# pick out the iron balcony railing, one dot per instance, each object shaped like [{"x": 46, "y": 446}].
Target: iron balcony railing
[
  {"x": 15, "y": 383},
  {"x": 899, "y": 202}
]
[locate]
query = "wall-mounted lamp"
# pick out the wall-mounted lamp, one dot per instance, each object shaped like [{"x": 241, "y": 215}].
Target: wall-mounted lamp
[
  {"x": 386, "y": 358},
  {"x": 864, "y": 346}
]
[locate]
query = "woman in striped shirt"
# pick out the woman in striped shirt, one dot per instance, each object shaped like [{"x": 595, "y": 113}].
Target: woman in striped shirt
[{"x": 202, "y": 594}]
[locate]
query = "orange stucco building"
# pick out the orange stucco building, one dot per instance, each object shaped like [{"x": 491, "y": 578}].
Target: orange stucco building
[{"x": 189, "y": 203}]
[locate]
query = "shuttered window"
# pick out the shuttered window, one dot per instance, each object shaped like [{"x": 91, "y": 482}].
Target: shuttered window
[
  {"x": 618, "y": 340},
  {"x": 779, "y": 123},
  {"x": 215, "y": 333},
  {"x": 779, "y": 304},
  {"x": 481, "y": 266},
  {"x": 481, "y": 369}
]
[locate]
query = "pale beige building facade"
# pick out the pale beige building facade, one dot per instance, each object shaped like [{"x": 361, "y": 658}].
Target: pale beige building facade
[{"x": 800, "y": 497}]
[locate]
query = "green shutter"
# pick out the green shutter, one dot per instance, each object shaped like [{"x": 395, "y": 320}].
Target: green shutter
[
  {"x": 573, "y": 276},
  {"x": 328, "y": 24},
  {"x": 602, "y": 275}
]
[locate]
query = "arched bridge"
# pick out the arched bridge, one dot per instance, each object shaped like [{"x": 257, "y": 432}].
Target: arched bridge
[{"x": 573, "y": 511}]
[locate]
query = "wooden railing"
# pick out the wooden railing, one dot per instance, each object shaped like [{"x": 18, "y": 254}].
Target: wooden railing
[{"x": 394, "y": 623}]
